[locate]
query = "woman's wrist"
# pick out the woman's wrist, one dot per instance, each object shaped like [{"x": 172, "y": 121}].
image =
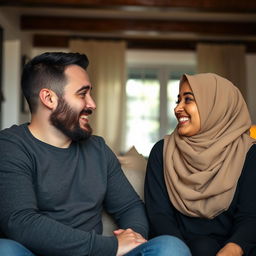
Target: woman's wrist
[{"x": 231, "y": 249}]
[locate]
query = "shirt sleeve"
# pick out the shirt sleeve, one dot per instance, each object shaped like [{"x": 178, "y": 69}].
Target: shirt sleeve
[
  {"x": 160, "y": 211},
  {"x": 121, "y": 200},
  {"x": 244, "y": 226},
  {"x": 21, "y": 220}
]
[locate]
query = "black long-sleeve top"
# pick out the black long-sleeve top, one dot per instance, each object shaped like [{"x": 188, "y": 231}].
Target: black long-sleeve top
[{"x": 237, "y": 224}]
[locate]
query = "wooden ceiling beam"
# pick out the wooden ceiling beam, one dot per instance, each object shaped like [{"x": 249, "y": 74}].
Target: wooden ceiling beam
[
  {"x": 217, "y": 5},
  {"x": 101, "y": 25},
  {"x": 62, "y": 41}
]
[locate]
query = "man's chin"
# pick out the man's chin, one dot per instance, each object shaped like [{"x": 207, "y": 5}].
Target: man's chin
[{"x": 86, "y": 128}]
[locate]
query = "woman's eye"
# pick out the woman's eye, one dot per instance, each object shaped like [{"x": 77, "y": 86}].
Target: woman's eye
[{"x": 188, "y": 100}]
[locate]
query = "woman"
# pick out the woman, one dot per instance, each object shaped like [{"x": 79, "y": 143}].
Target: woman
[{"x": 201, "y": 180}]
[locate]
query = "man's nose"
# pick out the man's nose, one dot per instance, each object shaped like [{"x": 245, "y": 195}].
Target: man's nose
[{"x": 90, "y": 103}]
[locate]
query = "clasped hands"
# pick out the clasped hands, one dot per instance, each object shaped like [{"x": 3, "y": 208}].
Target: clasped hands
[{"x": 127, "y": 240}]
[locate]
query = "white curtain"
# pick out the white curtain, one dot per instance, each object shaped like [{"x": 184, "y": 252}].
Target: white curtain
[
  {"x": 107, "y": 75},
  {"x": 228, "y": 61}
]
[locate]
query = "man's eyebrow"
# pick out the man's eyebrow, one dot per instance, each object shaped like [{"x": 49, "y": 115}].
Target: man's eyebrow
[{"x": 85, "y": 87}]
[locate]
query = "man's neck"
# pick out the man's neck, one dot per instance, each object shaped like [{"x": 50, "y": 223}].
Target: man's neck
[{"x": 47, "y": 133}]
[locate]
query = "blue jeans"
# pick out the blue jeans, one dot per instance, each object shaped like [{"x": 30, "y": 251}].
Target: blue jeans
[
  {"x": 161, "y": 246},
  {"x": 12, "y": 248}
]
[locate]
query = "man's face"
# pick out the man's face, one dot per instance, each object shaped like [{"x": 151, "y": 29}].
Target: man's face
[{"x": 73, "y": 109}]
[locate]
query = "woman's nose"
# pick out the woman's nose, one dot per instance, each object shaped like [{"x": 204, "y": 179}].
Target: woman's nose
[{"x": 179, "y": 108}]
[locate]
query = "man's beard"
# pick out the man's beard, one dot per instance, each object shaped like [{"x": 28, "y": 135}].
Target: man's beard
[{"x": 66, "y": 120}]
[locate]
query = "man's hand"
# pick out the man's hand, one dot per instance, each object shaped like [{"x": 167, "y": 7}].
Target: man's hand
[
  {"x": 128, "y": 240},
  {"x": 230, "y": 249}
]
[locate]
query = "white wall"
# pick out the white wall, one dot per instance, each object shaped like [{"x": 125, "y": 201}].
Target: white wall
[
  {"x": 11, "y": 70},
  {"x": 14, "y": 46},
  {"x": 11, "y": 90}
]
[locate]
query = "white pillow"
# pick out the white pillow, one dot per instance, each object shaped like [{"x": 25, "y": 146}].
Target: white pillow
[
  {"x": 134, "y": 167},
  {"x": 133, "y": 160}
]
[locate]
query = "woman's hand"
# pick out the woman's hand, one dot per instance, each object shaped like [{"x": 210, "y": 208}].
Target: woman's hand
[{"x": 230, "y": 249}]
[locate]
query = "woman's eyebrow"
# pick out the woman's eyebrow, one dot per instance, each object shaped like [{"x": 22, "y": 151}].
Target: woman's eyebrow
[{"x": 186, "y": 93}]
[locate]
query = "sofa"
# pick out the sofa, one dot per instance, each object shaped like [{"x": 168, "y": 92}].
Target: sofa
[{"x": 134, "y": 167}]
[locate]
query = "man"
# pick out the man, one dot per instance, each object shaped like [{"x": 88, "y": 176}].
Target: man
[{"x": 55, "y": 177}]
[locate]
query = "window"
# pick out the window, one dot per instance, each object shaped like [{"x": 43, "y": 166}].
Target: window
[{"x": 151, "y": 94}]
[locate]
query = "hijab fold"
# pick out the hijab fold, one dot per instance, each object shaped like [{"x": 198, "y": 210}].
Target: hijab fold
[{"x": 201, "y": 172}]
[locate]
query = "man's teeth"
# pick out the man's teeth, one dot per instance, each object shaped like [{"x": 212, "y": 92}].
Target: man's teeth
[
  {"x": 183, "y": 119},
  {"x": 84, "y": 117}
]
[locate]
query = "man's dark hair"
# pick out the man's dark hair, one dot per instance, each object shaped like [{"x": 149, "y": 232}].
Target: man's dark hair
[{"x": 47, "y": 71}]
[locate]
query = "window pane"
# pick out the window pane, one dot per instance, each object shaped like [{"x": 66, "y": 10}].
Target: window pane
[
  {"x": 172, "y": 92},
  {"x": 142, "y": 124}
]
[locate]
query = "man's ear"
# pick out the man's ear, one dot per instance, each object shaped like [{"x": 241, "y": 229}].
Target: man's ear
[{"x": 48, "y": 98}]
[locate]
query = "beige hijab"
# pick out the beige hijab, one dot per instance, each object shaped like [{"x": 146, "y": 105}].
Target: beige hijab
[{"x": 201, "y": 172}]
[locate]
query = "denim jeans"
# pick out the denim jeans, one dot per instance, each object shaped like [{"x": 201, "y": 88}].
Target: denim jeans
[
  {"x": 161, "y": 246},
  {"x": 12, "y": 248}
]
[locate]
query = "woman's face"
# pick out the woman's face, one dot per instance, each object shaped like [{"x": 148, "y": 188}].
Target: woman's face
[{"x": 186, "y": 111}]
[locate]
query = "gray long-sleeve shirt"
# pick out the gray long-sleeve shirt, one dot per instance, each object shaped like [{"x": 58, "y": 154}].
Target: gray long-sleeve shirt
[{"x": 51, "y": 198}]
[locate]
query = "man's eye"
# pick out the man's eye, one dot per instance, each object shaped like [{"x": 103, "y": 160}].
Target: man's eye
[{"x": 82, "y": 94}]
